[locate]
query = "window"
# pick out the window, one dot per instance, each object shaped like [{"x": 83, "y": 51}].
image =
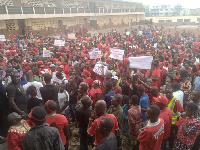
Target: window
[
  {"x": 161, "y": 21},
  {"x": 186, "y": 20},
  {"x": 168, "y": 20},
  {"x": 179, "y": 20}
]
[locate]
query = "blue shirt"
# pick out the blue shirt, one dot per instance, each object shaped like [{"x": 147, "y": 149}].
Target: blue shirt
[
  {"x": 197, "y": 83},
  {"x": 144, "y": 103},
  {"x": 107, "y": 98},
  {"x": 125, "y": 109},
  {"x": 23, "y": 82}
]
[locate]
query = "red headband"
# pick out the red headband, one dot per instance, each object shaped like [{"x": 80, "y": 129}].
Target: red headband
[
  {"x": 47, "y": 106},
  {"x": 31, "y": 116}
]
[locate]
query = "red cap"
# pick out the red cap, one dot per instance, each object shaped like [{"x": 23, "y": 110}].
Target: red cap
[
  {"x": 86, "y": 73},
  {"x": 39, "y": 62},
  {"x": 58, "y": 63},
  {"x": 161, "y": 99},
  {"x": 61, "y": 66}
]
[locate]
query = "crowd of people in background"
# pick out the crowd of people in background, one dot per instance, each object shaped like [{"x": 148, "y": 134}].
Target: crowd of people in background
[{"x": 156, "y": 108}]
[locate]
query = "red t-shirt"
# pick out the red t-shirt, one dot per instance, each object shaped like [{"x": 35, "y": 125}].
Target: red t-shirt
[
  {"x": 61, "y": 121},
  {"x": 156, "y": 72},
  {"x": 151, "y": 137},
  {"x": 89, "y": 81},
  {"x": 93, "y": 130},
  {"x": 117, "y": 89},
  {"x": 93, "y": 95},
  {"x": 166, "y": 115}
]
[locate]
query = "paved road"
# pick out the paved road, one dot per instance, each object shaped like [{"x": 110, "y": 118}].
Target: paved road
[{"x": 3, "y": 146}]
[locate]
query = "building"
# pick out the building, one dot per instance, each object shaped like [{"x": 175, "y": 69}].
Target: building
[
  {"x": 159, "y": 10},
  {"x": 175, "y": 20},
  {"x": 20, "y": 16}
]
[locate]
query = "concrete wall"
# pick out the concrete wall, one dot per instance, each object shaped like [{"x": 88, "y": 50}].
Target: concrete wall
[
  {"x": 173, "y": 18},
  {"x": 50, "y": 25}
]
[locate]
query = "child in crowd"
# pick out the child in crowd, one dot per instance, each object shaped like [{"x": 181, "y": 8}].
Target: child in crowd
[{"x": 167, "y": 83}]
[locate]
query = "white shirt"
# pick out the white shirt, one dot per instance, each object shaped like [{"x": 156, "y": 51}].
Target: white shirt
[
  {"x": 38, "y": 85},
  {"x": 179, "y": 95},
  {"x": 62, "y": 99}
]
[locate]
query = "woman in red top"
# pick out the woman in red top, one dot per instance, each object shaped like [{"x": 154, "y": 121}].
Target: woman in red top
[
  {"x": 16, "y": 132},
  {"x": 86, "y": 78},
  {"x": 96, "y": 92}
]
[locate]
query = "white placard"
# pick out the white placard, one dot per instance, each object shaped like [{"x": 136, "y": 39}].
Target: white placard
[
  {"x": 71, "y": 36},
  {"x": 143, "y": 62},
  {"x": 95, "y": 54},
  {"x": 46, "y": 53},
  {"x": 98, "y": 68},
  {"x": 117, "y": 54},
  {"x": 2, "y": 38},
  {"x": 127, "y": 33},
  {"x": 59, "y": 43}
]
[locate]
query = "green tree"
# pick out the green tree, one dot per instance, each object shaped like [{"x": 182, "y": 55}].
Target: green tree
[{"x": 177, "y": 10}]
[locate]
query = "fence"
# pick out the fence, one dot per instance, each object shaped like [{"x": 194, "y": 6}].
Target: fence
[{"x": 50, "y": 10}]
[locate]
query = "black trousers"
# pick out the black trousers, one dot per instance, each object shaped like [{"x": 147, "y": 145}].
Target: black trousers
[
  {"x": 173, "y": 132},
  {"x": 4, "y": 126},
  {"x": 83, "y": 140},
  {"x": 164, "y": 144},
  {"x": 196, "y": 145}
]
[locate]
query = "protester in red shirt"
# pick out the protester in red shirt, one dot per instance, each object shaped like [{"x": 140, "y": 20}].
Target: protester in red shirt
[
  {"x": 116, "y": 88},
  {"x": 154, "y": 73},
  {"x": 154, "y": 92},
  {"x": 16, "y": 132},
  {"x": 100, "y": 111},
  {"x": 166, "y": 115},
  {"x": 58, "y": 121},
  {"x": 152, "y": 135},
  {"x": 86, "y": 78},
  {"x": 95, "y": 92}
]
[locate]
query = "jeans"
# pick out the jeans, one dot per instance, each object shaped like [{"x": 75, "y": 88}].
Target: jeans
[{"x": 72, "y": 110}]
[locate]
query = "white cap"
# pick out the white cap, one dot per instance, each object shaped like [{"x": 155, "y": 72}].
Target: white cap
[
  {"x": 52, "y": 65},
  {"x": 115, "y": 77}
]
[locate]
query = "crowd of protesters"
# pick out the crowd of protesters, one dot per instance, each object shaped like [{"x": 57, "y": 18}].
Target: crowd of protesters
[{"x": 155, "y": 109}]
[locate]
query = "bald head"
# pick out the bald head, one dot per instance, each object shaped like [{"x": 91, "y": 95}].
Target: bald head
[
  {"x": 106, "y": 125},
  {"x": 100, "y": 107},
  {"x": 154, "y": 91},
  {"x": 29, "y": 76},
  {"x": 86, "y": 101}
]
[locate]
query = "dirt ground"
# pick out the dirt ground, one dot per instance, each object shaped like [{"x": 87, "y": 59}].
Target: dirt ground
[
  {"x": 74, "y": 140},
  {"x": 193, "y": 28}
]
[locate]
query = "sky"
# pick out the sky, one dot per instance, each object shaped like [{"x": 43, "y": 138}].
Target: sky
[{"x": 185, "y": 3}]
